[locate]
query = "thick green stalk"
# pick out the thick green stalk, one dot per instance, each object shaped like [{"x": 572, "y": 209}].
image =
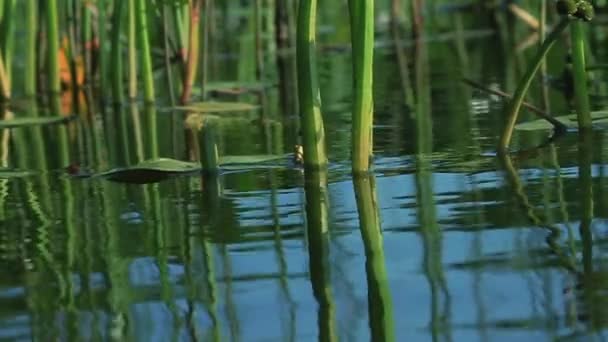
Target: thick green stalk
[
  {"x": 86, "y": 41},
  {"x": 524, "y": 84},
  {"x": 5, "y": 86},
  {"x": 54, "y": 85},
  {"x": 313, "y": 133},
  {"x": 7, "y": 32},
  {"x": 31, "y": 46},
  {"x": 362, "y": 40},
  {"x": 581, "y": 94},
  {"x": 103, "y": 56},
  {"x": 180, "y": 11},
  {"x": 132, "y": 52},
  {"x": 207, "y": 148},
  {"x": 116, "y": 53},
  {"x": 193, "y": 50},
  {"x": 144, "y": 48}
]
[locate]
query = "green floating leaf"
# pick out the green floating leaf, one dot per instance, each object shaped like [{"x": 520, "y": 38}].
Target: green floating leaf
[
  {"x": 234, "y": 87},
  {"x": 235, "y": 163},
  {"x": 156, "y": 170},
  {"x": 12, "y": 173},
  {"x": 39, "y": 121},
  {"x": 597, "y": 117},
  {"x": 150, "y": 171},
  {"x": 216, "y": 107}
]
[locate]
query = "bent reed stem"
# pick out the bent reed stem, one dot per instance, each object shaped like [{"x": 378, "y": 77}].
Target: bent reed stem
[{"x": 524, "y": 84}]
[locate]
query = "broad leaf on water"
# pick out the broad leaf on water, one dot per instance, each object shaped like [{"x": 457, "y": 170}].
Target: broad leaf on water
[
  {"x": 216, "y": 107},
  {"x": 150, "y": 171},
  {"x": 156, "y": 170},
  {"x": 234, "y": 163},
  {"x": 597, "y": 118},
  {"x": 37, "y": 121},
  {"x": 12, "y": 173},
  {"x": 234, "y": 87}
]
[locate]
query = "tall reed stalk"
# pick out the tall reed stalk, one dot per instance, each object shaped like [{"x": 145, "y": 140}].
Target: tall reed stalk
[
  {"x": 362, "y": 39},
  {"x": 193, "y": 50},
  {"x": 5, "y": 87},
  {"x": 116, "y": 52},
  {"x": 103, "y": 55},
  {"x": 313, "y": 133},
  {"x": 144, "y": 48},
  {"x": 52, "y": 26},
  {"x": 7, "y": 35},
  {"x": 132, "y": 50},
  {"x": 31, "y": 46},
  {"x": 581, "y": 93}
]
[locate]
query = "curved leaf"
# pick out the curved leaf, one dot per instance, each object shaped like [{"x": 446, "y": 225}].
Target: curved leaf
[
  {"x": 237, "y": 163},
  {"x": 150, "y": 171},
  {"x": 12, "y": 173},
  {"x": 216, "y": 107},
  {"x": 36, "y": 121}
]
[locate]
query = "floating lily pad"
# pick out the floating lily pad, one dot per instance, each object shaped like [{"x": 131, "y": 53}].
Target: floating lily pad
[
  {"x": 598, "y": 118},
  {"x": 156, "y": 170},
  {"x": 150, "y": 171},
  {"x": 234, "y": 87},
  {"x": 39, "y": 121},
  {"x": 216, "y": 107},
  {"x": 12, "y": 173},
  {"x": 236, "y": 163}
]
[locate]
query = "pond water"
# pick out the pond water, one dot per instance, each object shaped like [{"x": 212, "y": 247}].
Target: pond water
[{"x": 444, "y": 241}]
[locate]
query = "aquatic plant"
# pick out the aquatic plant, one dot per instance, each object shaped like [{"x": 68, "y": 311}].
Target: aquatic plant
[
  {"x": 362, "y": 40},
  {"x": 570, "y": 10},
  {"x": 313, "y": 133}
]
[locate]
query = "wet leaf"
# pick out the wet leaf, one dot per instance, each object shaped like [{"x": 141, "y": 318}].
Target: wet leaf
[
  {"x": 597, "y": 117},
  {"x": 235, "y": 163},
  {"x": 216, "y": 107},
  {"x": 150, "y": 171},
  {"x": 12, "y": 173},
  {"x": 40, "y": 121},
  {"x": 156, "y": 170}
]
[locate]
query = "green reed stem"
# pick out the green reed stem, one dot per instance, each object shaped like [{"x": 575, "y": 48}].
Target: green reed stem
[
  {"x": 5, "y": 87},
  {"x": 179, "y": 13},
  {"x": 132, "y": 52},
  {"x": 116, "y": 53},
  {"x": 144, "y": 48},
  {"x": 103, "y": 56},
  {"x": 313, "y": 133},
  {"x": 581, "y": 94},
  {"x": 7, "y": 33},
  {"x": 193, "y": 50},
  {"x": 362, "y": 40},
  {"x": 522, "y": 88},
  {"x": 31, "y": 46},
  {"x": 207, "y": 148},
  {"x": 86, "y": 41},
  {"x": 52, "y": 22}
]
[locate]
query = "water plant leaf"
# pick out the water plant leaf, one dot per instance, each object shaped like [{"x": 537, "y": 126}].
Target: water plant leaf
[
  {"x": 35, "y": 121},
  {"x": 250, "y": 162},
  {"x": 570, "y": 121},
  {"x": 216, "y": 107},
  {"x": 150, "y": 171},
  {"x": 12, "y": 173}
]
